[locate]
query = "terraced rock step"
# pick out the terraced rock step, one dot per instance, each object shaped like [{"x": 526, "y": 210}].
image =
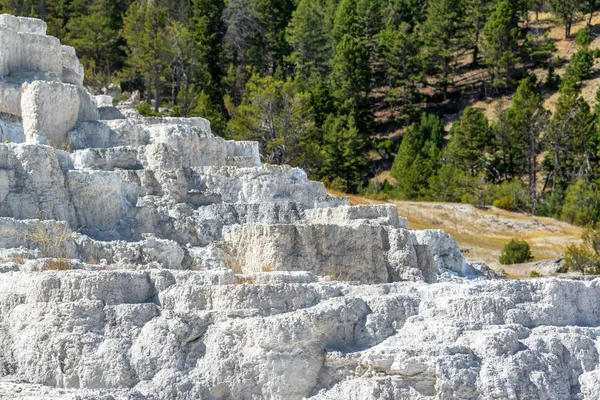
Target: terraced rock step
[{"x": 146, "y": 258}]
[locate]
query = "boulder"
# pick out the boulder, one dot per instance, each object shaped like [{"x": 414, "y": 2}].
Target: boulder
[{"x": 49, "y": 111}]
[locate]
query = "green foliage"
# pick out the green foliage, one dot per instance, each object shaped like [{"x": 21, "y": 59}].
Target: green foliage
[
  {"x": 568, "y": 11},
  {"x": 443, "y": 35},
  {"x": 501, "y": 46},
  {"x": 400, "y": 46},
  {"x": 448, "y": 184},
  {"x": 418, "y": 157},
  {"x": 517, "y": 191},
  {"x": 580, "y": 66},
  {"x": 147, "y": 111},
  {"x": 95, "y": 40},
  {"x": 205, "y": 109},
  {"x": 552, "y": 79},
  {"x": 535, "y": 274},
  {"x": 581, "y": 258},
  {"x": 582, "y": 204},
  {"x": 208, "y": 34},
  {"x": 583, "y": 37},
  {"x": 571, "y": 140},
  {"x": 275, "y": 114},
  {"x": 551, "y": 204},
  {"x": 310, "y": 42},
  {"x": 505, "y": 203},
  {"x": 515, "y": 252},
  {"x": 591, "y": 238},
  {"x": 351, "y": 75},
  {"x": 148, "y": 40},
  {"x": 344, "y": 152},
  {"x": 469, "y": 140},
  {"x": 351, "y": 83}
]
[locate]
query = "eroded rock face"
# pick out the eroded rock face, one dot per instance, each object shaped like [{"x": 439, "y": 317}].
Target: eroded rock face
[
  {"x": 49, "y": 110},
  {"x": 41, "y": 82},
  {"x": 188, "y": 269},
  {"x": 151, "y": 334}
]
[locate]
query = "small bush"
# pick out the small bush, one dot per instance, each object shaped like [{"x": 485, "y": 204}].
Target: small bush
[
  {"x": 552, "y": 80},
  {"x": 58, "y": 264},
  {"x": 582, "y": 259},
  {"x": 580, "y": 66},
  {"x": 596, "y": 53},
  {"x": 505, "y": 203},
  {"x": 535, "y": 274},
  {"x": 583, "y": 37},
  {"x": 147, "y": 111},
  {"x": 582, "y": 204},
  {"x": 551, "y": 204},
  {"x": 516, "y": 252}
]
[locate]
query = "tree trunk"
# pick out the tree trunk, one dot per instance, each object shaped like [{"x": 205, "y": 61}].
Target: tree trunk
[
  {"x": 148, "y": 91},
  {"x": 567, "y": 30},
  {"x": 156, "y": 92},
  {"x": 476, "y": 48}
]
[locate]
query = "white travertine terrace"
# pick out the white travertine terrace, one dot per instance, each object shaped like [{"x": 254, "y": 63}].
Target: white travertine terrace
[{"x": 195, "y": 271}]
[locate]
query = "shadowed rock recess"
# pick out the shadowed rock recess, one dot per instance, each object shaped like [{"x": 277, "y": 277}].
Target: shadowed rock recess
[{"x": 146, "y": 258}]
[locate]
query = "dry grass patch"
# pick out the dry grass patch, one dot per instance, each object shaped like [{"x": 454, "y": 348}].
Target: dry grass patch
[{"x": 58, "y": 264}]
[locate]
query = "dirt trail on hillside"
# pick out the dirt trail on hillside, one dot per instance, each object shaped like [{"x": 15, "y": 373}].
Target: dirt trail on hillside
[{"x": 482, "y": 233}]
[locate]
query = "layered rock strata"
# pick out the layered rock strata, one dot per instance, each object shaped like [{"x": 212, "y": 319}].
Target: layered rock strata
[{"x": 146, "y": 258}]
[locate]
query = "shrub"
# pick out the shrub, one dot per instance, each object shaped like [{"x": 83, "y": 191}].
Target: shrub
[
  {"x": 505, "y": 203},
  {"x": 583, "y": 37},
  {"x": 551, "y": 204},
  {"x": 596, "y": 53},
  {"x": 517, "y": 190},
  {"x": 582, "y": 259},
  {"x": 552, "y": 80},
  {"x": 535, "y": 274},
  {"x": 146, "y": 110},
  {"x": 582, "y": 204},
  {"x": 580, "y": 66},
  {"x": 516, "y": 252}
]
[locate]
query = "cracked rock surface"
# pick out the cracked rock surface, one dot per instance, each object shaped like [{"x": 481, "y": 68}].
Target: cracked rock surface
[{"x": 146, "y": 258}]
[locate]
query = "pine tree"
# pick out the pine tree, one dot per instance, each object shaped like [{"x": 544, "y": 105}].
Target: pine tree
[
  {"x": 571, "y": 140},
  {"x": 307, "y": 35},
  {"x": 322, "y": 103},
  {"x": 369, "y": 17},
  {"x": 444, "y": 36},
  {"x": 95, "y": 42},
  {"x": 529, "y": 120},
  {"x": 276, "y": 115},
  {"x": 580, "y": 66},
  {"x": 412, "y": 12},
  {"x": 351, "y": 82},
  {"x": 418, "y": 156},
  {"x": 476, "y": 16},
  {"x": 346, "y": 22},
  {"x": 469, "y": 141},
  {"x": 567, "y": 11},
  {"x": 149, "y": 44},
  {"x": 209, "y": 31},
  {"x": 404, "y": 65},
  {"x": 344, "y": 151},
  {"x": 501, "y": 47}
]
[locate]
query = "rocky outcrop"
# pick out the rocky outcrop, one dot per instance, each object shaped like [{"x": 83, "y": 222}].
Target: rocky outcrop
[
  {"x": 146, "y": 258},
  {"x": 188, "y": 335},
  {"x": 41, "y": 82}
]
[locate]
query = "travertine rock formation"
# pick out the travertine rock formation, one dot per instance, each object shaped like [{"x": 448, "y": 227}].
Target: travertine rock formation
[{"x": 146, "y": 258}]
